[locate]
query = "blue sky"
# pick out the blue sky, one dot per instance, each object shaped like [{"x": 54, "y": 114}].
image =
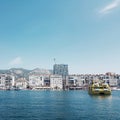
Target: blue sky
[{"x": 85, "y": 34}]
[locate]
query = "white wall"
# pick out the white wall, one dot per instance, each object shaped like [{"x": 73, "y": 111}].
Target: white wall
[{"x": 56, "y": 82}]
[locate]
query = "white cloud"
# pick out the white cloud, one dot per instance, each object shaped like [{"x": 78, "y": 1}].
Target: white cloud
[
  {"x": 110, "y": 7},
  {"x": 16, "y": 61}
]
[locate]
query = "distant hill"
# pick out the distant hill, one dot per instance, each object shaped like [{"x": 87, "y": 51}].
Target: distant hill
[
  {"x": 41, "y": 71},
  {"x": 17, "y": 72},
  {"x": 21, "y": 72}
]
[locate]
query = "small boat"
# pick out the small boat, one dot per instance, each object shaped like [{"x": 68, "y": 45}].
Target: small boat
[{"x": 99, "y": 88}]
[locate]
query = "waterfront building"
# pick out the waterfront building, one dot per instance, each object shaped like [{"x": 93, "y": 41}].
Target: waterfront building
[
  {"x": 75, "y": 80},
  {"x": 111, "y": 79},
  {"x": 39, "y": 80},
  {"x": 84, "y": 79},
  {"x": 71, "y": 81},
  {"x": 2, "y": 81},
  {"x": 61, "y": 69},
  {"x": 21, "y": 83},
  {"x": 47, "y": 81},
  {"x": 7, "y": 81},
  {"x": 118, "y": 83},
  {"x": 56, "y": 82},
  {"x": 36, "y": 80}
]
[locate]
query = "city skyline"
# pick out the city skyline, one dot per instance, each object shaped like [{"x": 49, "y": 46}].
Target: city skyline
[{"x": 83, "y": 34}]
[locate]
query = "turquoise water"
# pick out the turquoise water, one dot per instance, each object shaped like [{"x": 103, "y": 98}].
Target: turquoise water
[{"x": 58, "y": 105}]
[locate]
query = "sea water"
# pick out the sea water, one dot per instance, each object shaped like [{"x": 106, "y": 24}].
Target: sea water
[{"x": 58, "y": 105}]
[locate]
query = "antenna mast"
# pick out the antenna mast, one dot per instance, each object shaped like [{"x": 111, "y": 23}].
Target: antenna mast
[{"x": 54, "y": 61}]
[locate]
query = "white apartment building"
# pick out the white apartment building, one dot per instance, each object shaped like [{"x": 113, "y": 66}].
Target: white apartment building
[
  {"x": 111, "y": 80},
  {"x": 6, "y": 81},
  {"x": 36, "y": 80},
  {"x": 84, "y": 79},
  {"x": 56, "y": 82},
  {"x": 76, "y": 80},
  {"x": 21, "y": 83}
]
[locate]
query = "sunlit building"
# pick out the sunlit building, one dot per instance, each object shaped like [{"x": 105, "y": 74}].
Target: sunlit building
[
  {"x": 56, "y": 82},
  {"x": 60, "y": 69},
  {"x": 6, "y": 81}
]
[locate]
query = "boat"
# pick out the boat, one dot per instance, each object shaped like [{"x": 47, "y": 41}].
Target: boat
[{"x": 99, "y": 88}]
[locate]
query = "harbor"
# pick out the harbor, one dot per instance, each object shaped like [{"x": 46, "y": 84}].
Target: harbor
[
  {"x": 56, "y": 79},
  {"x": 52, "y": 105}
]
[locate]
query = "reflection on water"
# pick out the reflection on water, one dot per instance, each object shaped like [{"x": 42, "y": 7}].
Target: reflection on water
[{"x": 101, "y": 96}]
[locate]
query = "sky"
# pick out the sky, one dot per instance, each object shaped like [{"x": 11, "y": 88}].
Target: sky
[{"x": 85, "y": 34}]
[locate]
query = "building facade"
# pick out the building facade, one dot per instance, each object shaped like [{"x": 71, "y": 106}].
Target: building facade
[
  {"x": 6, "y": 81},
  {"x": 56, "y": 82},
  {"x": 39, "y": 80},
  {"x": 60, "y": 69},
  {"x": 21, "y": 83}
]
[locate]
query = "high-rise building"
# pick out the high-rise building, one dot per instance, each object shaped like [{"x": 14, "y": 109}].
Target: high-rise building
[{"x": 60, "y": 69}]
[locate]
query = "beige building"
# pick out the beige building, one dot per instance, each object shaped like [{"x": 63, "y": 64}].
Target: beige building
[{"x": 56, "y": 82}]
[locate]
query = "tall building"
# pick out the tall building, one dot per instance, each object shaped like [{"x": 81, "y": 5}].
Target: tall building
[{"x": 60, "y": 69}]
